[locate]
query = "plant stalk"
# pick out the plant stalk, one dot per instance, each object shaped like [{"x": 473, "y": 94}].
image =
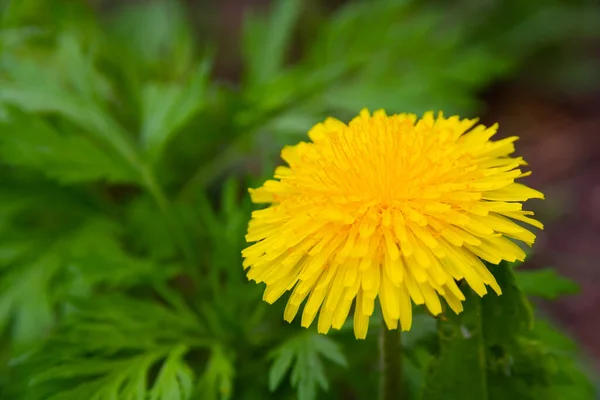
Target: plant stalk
[{"x": 390, "y": 357}]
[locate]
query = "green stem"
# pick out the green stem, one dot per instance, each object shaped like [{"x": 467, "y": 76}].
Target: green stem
[
  {"x": 212, "y": 170},
  {"x": 112, "y": 132},
  {"x": 390, "y": 357}
]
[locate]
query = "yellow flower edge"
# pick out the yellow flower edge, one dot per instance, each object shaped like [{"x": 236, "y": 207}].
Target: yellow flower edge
[{"x": 390, "y": 207}]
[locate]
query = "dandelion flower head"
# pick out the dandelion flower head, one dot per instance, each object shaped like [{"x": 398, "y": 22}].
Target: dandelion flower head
[{"x": 393, "y": 208}]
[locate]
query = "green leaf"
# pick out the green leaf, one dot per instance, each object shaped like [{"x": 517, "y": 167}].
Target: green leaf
[
  {"x": 545, "y": 283},
  {"x": 29, "y": 260},
  {"x": 477, "y": 339},
  {"x": 459, "y": 371},
  {"x": 95, "y": 256},
  {"x": 126, "y": 378},
  {"x": 108, "y": 379},
  {"x": 174, "y": 378},
  {"x": 55, "y": 247},
  {"x": 572, "y": 378},
  {"x": 394, "y": 57},
  {"x": 107, "y": 348},
  {"x": 217, "y": 381},
  {"x": 70, "y": 66},
  {"x": 12, "y": 38},
  {"x": 167, "y": 107},
  {"x": 329, "y": 349},
  {"x": 147, "y": 232},
  {"x": 507, "y": 315},
  {"x": 25, "y": 296},
  {"x": 93, "y": 118},
  {"x": 491, "y": 352},
  {"x": 303, "y": 354},
  {"x": 76, "y": 68},
  {"x": 553, "y": 338},
  {"x": 82, "y": 113},
  {"x": 266, "y": 42},
  {"x": 155, "y": 36},
  {"x": 280, "y": 367},
  {"x": 37, "y": 88},
  {"x": 28, "y": 141},
  {"x": 119, "y": 322}
]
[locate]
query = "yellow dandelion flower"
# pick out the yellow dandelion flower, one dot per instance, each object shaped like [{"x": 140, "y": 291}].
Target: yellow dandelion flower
[{"x": 387, "y": 207}]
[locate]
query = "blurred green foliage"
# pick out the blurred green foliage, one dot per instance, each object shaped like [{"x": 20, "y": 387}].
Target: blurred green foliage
[{"x": 123, "y": 166}]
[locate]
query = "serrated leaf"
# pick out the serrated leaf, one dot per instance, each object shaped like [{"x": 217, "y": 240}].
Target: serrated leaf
[
  {"x": 505, "y": 316},
  {"x": 69, "y": 158},
  {"x": 120, "y": 322},
  {"x": 491, "y": 352},
  {"x": 571, "y": 377},
  {"x": 75, "y": 65},
  {"x": 95, "y": 255},
  {"x": 393, "y": 55},
  {"x": 415, "y": 364},
  {"x": 108, "y": 347},
  {"x": 55, "y": 96},
  {"x": 82, "y": 113},
  {"x": 26, "y": 298},
  {"x": 470, "y": 341},
  {"x": 167, "y": 107},
  {"x": 119, "y": 379},
  {"x": 280, "y": 367},
  {"x": 459, "y": 371},
  {"x": 175, "y": 378},
  {"x": 330, "y": 350},
  {"x": 217, "y": 381},
  {"x": 545, "y": 283},
  {"x": 552, "y": 337},
  {"x": 71, "y": 66},
  {"x": 76, "y": 93},
  {"x": 303, "y": 355},
  {"x": 50, "y": 267},
  {"x": 93, "y": 369}
]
